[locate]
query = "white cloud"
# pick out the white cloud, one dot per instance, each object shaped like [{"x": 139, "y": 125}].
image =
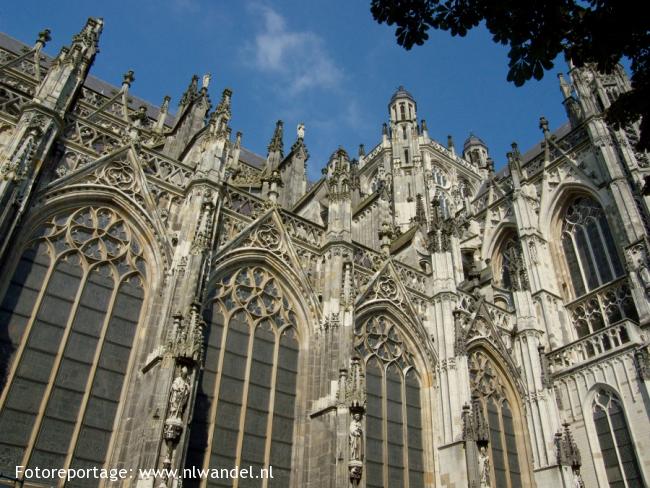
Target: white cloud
[{"x": 299, "y": 59}]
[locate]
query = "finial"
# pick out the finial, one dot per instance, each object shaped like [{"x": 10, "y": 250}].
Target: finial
[
  {"x": 423, "y": 123},
  {"x": 276, "y": 143},
  {"x": 362, "y": 150},
  {"x": 191, "y": 92},
  {"x": 384, "y": 129},
  {"x": 450, "y": 142},
  {"x": 43, "y": 37},
  {"x": 543, "y": 124},
  {"x": 515, "y": 150},
  {"x": 127, "y": 79},
  {"x": 165, "y": 104},
  {"x": 300, "y": 131}
]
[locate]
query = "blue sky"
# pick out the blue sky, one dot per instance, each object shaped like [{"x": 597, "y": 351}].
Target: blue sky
[{"x": 327, "y": 64}]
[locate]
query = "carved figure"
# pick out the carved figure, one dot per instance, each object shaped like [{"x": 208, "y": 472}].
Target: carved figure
[
  {"x": 356, "y": 437},
  {"x": 180, "y": 393},
  {"x": 484, "y": 468}
]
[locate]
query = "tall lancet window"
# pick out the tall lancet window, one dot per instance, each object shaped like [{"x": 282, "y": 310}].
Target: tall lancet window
[
  {"x": 616, "y": 445},
  {"x": 68, "y": 319},
  {"x": 394, "y": 447},
  {"x": 245, "y": 410},
  {"x": 509, "y": 265},
  {"x": 506, "y": 447},
  {"x": 588, "y": 245}
]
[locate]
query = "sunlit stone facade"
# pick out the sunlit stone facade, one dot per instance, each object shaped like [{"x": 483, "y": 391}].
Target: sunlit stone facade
[{"x": 169, "y": 299}]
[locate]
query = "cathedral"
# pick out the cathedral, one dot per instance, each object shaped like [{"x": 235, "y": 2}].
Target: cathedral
[{"x": 171, "y": 301}]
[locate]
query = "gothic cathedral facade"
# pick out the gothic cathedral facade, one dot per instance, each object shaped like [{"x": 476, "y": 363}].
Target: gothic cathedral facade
[{"x": 415, "y": 318}]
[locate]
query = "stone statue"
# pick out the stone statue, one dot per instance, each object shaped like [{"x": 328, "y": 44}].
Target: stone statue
[
  {"x": 205, "y": 82},
  {"x": 356, "y": 437},
  {"x": 301, "y": 130},
  {"x": 577, "y": 479},
  {"x": 484, "y": 468},
  {"x": 180, "y": 393}
]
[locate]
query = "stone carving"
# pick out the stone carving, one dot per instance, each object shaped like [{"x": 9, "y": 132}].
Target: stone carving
[
  {"x": 639, "y": 265},
  {"x": 180, "y": 393},
  {"x": 642, "y": 356},
  {"x": 18, "y": 166},
  {"x": 356, "y": 438},
  {"x": 484, "y": 467},
  {"x": 380, "y": 336}
]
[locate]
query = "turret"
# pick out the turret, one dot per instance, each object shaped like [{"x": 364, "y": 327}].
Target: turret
[
  {"x": 407, "y": 171},
  {"x": 476, "y": 152}
]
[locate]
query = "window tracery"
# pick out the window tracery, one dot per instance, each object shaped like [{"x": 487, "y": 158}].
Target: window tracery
[
  {"x": 488, "y": 388},
  {"x": 510, "y": 266},
  {"x": 616, "y": 446},
  {"x": 73, "y": 305},
  {"x": 588, "y": 245},
  {"x": 395, "y": 452},
  {"x": 245, "y": 411}
]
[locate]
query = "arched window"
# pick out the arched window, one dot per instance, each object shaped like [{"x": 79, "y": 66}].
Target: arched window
[
  {"x": 245, "y": 410},
  {"x": 394, "y": 447},
  {"x": 509, "y": 265},
  {"x": 442, "y": 202},
  {"x": 588, "y": 246},
  {"x": 71, "y": 311},
  {"x": 503, "y": 427},
  {"x": 440, "y": 177},
  {"x": 616, "y": 446}
]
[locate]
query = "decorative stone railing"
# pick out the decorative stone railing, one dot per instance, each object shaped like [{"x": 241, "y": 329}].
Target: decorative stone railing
[
  {"x": 594, "y": 346},
  {"x": 603, "y": 307}
]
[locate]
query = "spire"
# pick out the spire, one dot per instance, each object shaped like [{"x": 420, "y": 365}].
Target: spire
[
  {"x": 191, "y": 93},
  {"x": 276, "y": 144},
  {"x": 69, "y": 69},
  {"x": 362, "y": 151},
  {"x": 223, "y": 113}
]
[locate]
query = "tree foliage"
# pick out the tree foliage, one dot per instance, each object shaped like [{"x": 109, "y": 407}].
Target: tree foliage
[{"x": 590, "y": 31}]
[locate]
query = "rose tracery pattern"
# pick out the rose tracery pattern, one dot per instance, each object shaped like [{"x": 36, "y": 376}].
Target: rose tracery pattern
[
  {"x": 99, "y": 233},
  {"x": 484, "y": 380},
  {"x": 380, "y": 336},
  {"x": 255, "y": 291}
]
